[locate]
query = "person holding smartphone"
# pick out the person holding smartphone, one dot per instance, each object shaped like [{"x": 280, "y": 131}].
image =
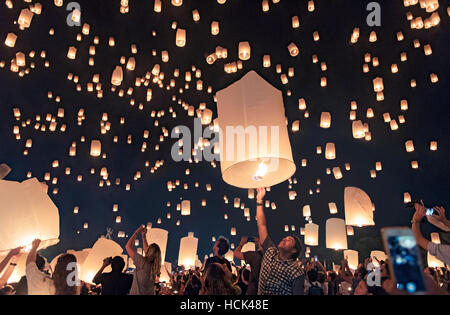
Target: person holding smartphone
[{"x": 441, "y": 252}]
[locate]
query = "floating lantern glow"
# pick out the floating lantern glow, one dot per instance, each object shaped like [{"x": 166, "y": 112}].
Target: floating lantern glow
[{"x": 254, "y": 165}]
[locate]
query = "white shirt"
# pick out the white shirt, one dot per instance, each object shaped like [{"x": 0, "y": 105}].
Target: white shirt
[{"x": 38, "y": 282}]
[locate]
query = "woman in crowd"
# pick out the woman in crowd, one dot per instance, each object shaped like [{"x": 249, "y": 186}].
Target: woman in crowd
[{"x": 147, "y": 268}]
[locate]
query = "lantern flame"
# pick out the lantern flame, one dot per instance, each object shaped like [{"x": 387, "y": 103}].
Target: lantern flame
[{"x": 261, "y": 172}]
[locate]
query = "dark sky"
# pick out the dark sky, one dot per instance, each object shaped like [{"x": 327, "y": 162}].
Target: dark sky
[{"x": 268, "y": 33}]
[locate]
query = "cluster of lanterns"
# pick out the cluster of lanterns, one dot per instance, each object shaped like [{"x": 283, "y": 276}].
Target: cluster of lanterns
[{"x": 249, "y": 102}]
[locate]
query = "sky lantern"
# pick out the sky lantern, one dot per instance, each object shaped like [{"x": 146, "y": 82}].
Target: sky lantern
[
  {"x": 311, "y": 234},
  {"x": 244, "y": 51},
  {"x": 358, "y": 207},
  {"x": 333, "y": 208},
  {"x": 96, "y": 148},
  {"x": 330, "y": 151},
  {"x": 31, "y": 214},
  {"x": 336, "y": 234},
  {"x": 307, "y": 211},
  {"x": 117, "y": 76},
  {"x": 358, "y": 129},
  {"x": 185, "y": 207},
  {"x": 181, "y": 37},
  {"x": 102, "y": 248},
  {"x": 254, "y": 103},
  {"x": 188, "y": 251},
  {"x": 159, "y": 237},
  {"x": 11, "y": 40},
  {"x": 352, "y": 258},
  {"x": 293, "y": 49}
]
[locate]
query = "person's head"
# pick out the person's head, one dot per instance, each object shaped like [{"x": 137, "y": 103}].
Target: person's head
[
  {"x": 312, "y": 275},
  {"x": 215, "y": 282},
  {"x": 221, "y": 247},
  {"x": 290, "y": 246},
  {"x": 153, "y": 257},
  {"x": 40, "y": 262},
  {"x": 63, "y": 270},
  {"x": 117, "y": 264}
]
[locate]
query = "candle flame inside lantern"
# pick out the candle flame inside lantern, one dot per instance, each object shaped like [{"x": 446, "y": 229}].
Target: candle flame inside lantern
[{"x": 261, "y": 172}]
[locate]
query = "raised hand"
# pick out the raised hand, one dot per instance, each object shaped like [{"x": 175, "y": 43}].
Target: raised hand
[{"x": 261, "y": 193}]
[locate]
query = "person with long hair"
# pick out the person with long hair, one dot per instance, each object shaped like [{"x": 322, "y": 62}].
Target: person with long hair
[
  {"x": 65, "y": 280},
  {"x": 148, "y": 267},
  {"x": 217, "y": 281}
]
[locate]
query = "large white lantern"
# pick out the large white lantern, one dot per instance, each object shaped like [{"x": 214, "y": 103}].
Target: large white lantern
[
  {"x": 102, "y": 249},
  {"x": 188, "y": 251},
  {"x": 358, "y": 207},
  {"x": 336, "y": 234},
  {"x": 311, "y": 234},
  {"x": 27, "y": 213},
  {"x": 255, "y": 148},
  {"x": 352, "y": 258},
  {"x": 159, "y": 237}
]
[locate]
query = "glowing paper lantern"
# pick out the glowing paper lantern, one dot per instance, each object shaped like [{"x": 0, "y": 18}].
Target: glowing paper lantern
[
  {"x": 185, "y": 207},
  {"x": 306, "y": 211},
  {"x": 336, "y": 234},
  {"x": 159, "y": 237},
  {"x": 352, "y": 258},
  {"x": 358, "y": 207},
  {"x": 188, "y": 251},
  {"x": 244, "y": 51},
  {"x": 102, "y": 248},
  {"x": 96, "y": 148},
  {"x": 311, "y": 234},
  {"x": 28, "y": 214},
  {"x": 333, "y": 208},
  {"x": 245, "y": 110},
  {"x": 181, "y": 38}
]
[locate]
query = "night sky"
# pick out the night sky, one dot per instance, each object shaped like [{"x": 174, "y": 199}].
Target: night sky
[{"x": 427, "y": 118}]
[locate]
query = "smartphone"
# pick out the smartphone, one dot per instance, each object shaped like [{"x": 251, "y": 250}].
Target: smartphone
[
  {"x": 430, "y": 212},
  {"x": 404, "y": 259},
  {"x": 315, "y": 258}
]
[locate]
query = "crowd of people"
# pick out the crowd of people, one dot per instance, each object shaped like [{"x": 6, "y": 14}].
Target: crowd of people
[{"x": 269, "y": 270}]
